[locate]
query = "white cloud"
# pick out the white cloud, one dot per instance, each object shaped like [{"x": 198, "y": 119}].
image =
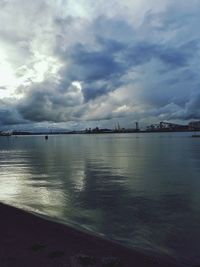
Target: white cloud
[{"x": 90, "y": 60}]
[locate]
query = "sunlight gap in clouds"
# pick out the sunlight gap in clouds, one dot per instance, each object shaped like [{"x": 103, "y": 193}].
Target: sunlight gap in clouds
[
  {"x": 8, "y": 80},
  {"x": 44, "y": 65},
  {"x": 12, "y": 78},
  {"x": 77, "y": 84}
]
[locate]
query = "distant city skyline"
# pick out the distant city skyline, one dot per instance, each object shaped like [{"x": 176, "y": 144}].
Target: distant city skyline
[
  {"x": 162, "y": 126},
  {"x": 75, "y": 64}
]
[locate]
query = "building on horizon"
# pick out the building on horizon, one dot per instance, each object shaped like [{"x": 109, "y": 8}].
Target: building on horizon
[{"x": 194, "y": 126}]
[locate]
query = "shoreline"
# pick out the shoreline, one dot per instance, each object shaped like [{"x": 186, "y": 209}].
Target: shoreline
[
  {"x": 96, "y": 133},
  {"x": 30, "y": 240}
]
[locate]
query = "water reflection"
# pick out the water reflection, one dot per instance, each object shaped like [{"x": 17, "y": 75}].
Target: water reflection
[{"x": 142, "y": 190}]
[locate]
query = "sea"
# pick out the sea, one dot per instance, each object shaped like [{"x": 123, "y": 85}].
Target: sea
[{"x": 139, "y": 189}]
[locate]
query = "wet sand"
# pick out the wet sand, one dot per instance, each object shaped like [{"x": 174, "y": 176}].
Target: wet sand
[{"x": 27, "y": 240}]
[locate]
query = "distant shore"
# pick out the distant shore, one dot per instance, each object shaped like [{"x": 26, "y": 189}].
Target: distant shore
[
  {"x": 31, "y": 241},
  {"x": 20, "y": 133}
]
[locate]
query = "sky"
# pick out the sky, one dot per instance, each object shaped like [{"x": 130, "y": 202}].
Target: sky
[{"x": 85, "y": 63}]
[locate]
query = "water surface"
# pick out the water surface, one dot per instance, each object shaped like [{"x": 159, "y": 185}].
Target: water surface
[{"x": 142, "y": 190}]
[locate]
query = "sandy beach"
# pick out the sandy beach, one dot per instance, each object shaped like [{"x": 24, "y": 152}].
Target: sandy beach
[{"x": 28, "y": 240}]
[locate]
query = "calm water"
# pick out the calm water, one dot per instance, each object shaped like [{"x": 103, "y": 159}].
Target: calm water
[{"x": 139, "y": 189}]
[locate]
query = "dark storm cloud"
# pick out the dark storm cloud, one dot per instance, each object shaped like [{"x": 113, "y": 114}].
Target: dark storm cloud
[
  {"x": 90, "y": 65},
  {"x": 114, "y": 58},
  {"x": 92, "y": 91},
  {"x": 128, "y": 60},
  {"x": 111, "y": 45},
  {"x": 179, "y": 56},
  {"x": 193, "y": 107},
  {"x": 9, "y": 115},
  {"x": 37, "y": 107},
  {"x": 101, "y": 71},
  {"x": 191, "y": 110},
  {"x": 141, "y": 53},
  {"x": 44, "y": 102}
]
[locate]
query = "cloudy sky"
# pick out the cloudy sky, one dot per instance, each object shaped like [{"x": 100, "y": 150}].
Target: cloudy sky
[{"x": 74, "y": 64}]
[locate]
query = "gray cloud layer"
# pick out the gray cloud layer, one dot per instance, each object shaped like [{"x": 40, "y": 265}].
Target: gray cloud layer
[{"x": 78, "y": 62}]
